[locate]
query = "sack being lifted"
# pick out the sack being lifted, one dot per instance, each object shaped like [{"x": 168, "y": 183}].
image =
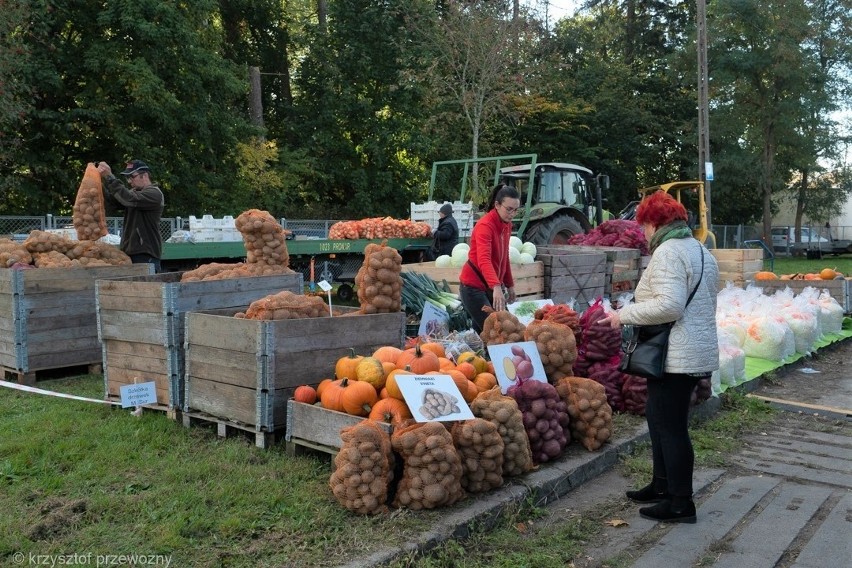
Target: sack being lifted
[{"x": 89, "y": 216}]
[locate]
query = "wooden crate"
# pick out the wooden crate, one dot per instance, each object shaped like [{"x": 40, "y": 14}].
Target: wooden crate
[
  {"x": 622, "y": 264},
  {"x": 738, "y": 266},
  {"x": 141, "y": 324},
  {"x": 315, "y": 427},
  {"x": 48, "y": 318},
  {"x": 529, "y": 278},
  {"x": 573, "y": 276},
  {"x": 245, "y": 370}
]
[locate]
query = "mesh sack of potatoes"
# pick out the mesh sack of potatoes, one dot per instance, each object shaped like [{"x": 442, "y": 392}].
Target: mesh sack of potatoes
[
  {"x": 556, "y": 347},
  {"x": 560, "y": 313},
  {"x": 378, "y": 281},
  {"x": 220, "y": 271},
  {"x": 88, "y": 251},
  {"x": 208, "y": 271},
  {"x": 12, "y": 253},
  {"x": 363, "y": 469},
  {"x": 431, "y": 471},
  {"x": 480, "y": 447},
  {"x": 590, "y": 414},
  {"x": 285, "y": 305},
  {"x": 265, "y": 240},
  {"x": 89, "y": 215},
  {"x": 501, "y": 327},
  {"x": 503, "y": 412},
  {"x": 42, "y": 241},
  {"x": 52, "y": 259}
]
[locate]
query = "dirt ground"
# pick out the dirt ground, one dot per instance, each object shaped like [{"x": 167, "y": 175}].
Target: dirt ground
[{"x": 821, "y": 383}]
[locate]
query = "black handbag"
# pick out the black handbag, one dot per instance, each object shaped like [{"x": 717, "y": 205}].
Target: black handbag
[{"x": 645, "y": 347}]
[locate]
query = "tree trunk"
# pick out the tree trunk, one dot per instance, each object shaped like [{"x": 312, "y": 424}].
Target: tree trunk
[
  {"x": 322, "y": 14},
  {"x": 768, "y": 162},
  {"x": 801, "y": 202}
]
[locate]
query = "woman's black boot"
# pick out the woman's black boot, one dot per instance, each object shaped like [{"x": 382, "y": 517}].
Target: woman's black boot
[
  {"x": 654, "y": 492},
  {"x": 675, "y": 510}
]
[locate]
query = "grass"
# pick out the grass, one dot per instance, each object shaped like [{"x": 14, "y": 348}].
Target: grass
[{"x": 792, "y": 265}]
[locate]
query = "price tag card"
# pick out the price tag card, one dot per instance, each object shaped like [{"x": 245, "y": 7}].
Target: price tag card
[
  {"x": 324, "y": 286},
  {"x": 433, "y": 398},
  {"x": 139, "y": 394},
  {"x": 516, "y": 360},
  {"x": 434, "y": 321}
]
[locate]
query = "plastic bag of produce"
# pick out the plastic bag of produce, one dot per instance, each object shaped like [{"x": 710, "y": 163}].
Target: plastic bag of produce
[
  {"x": 363, "y": 469},
  {"x": 766, "y": 338},
  {"x": 432, "y": 470}
]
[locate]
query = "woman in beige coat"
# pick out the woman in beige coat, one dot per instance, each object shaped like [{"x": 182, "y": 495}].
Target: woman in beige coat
[{"x": 661, "y": 296}]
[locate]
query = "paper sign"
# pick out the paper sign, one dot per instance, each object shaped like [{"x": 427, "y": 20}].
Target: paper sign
[
  {"x": 514, "y": 360},
  {"x": 138, "y": 394},
  {"x": 708, "y": 171},
  {"x": 525, "y": 309},
  {"x": 433, "y": 398},
  {"x": 324, "y": 286},
  {"x": 434, "y": 321}
]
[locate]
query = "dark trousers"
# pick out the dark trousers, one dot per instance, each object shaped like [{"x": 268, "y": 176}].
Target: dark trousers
[
  {"x": 146, "y": 258},
  {"x": 474, "y": 300},
  {"x": 667, "y": 412}
]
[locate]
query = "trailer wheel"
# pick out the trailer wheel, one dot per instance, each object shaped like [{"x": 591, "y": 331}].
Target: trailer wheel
[
  {"x": 554, "y": 230},
  {"x": 345, "y": 292}
]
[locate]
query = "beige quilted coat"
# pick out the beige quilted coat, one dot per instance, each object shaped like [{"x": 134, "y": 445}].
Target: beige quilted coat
[{"x": 661, "y": 295}]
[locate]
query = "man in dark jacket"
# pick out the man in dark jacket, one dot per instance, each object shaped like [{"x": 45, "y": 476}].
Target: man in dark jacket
[
  {"x": 446, "y": 234},
  {"x": 143, "y": 204}
]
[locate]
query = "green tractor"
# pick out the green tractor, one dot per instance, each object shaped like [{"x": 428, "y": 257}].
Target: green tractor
[{"x": 558, "y": 200}]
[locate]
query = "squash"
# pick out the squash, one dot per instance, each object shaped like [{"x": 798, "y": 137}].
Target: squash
[
  {"x": 434, "y": 347},
  {"x": 306, "y": 394},
  {"x": 352, "y": 397},
  {"x": 485, "y": 381},
  {"x": 387, "y": 354},
  {"x": 420, "y": 361},
  {"x": 468, "y": 370},
  {"x": 480, "y": 364},
  {"x": 391, "y": 384},
  {"x": 370, "y": 370},
  {"x": 828, "y": 274},
  {"x": 321, "y": 387},
  {"x": 390, "y": 410},
  {"x": 345, "y": 366},
  {"x": 765, "y": 275}
]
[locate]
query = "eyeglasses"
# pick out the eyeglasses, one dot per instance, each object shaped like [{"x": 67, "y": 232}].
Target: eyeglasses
[
  {"x": 509, "y": 210},
  {"x": 133, "y": 176}
]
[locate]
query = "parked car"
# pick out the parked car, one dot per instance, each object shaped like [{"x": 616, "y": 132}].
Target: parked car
[{"x": 785, "y": 237}]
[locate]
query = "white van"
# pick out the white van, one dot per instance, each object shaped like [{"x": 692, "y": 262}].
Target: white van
[{"x": 784, "y": 238}]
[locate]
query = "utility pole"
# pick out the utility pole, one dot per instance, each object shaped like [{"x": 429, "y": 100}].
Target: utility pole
[
  {"x": 255, "y": 99},
  {"x": 703, "y": 112}
]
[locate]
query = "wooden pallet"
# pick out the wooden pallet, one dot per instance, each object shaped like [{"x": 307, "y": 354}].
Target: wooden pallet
[
  {"x": 228, "y": 429},
  {"x": 32, "y": 376}
]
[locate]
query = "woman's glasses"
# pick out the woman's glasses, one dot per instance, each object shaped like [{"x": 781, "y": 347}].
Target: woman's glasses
[{"x": 509, "y": 210}]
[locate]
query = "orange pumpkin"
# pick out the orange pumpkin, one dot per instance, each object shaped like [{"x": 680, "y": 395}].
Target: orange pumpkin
[
  {"x": 388, "y": 367},
  {"x": 321, "y": 386},
  {"x": 434, "y": 347},
  {"x": 472, "y": 392},
  {"x": 392, "y": 385},
  {"x": 812, "y": 276},
  {"x": 306, "y": 394},
  {"x": 390, "y": 410},
  {"x": 370, "y": 370},
  {"x": 765, "y": 275},
  {"x": 345, "y": 366},
  {"x": 384, "y": 393},
  {"x": 444, "y": 364},
  {"x": 387, "y": 354},
  {"x": 827, "y": 274},
  {"x": 478, "y": 362},
  {"x": 468, "y": 370},
  {"x": 485, "y": 381},
  {"x": 420, "y": 361},
  {"x": 352, "y": 397}
]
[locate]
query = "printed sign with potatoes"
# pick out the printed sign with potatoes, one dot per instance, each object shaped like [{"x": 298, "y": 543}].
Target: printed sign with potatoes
[
  {"x": 514, "y": 361},
  {"x": 434, "y": 398}
]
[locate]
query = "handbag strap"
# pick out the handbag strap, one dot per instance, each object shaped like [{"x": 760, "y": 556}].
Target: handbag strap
[
  {"x": 481, "y": 277},
  {"x": 700, "y": 276}
]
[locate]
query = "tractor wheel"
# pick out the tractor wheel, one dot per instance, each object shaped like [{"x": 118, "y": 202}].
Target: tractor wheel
[{"x": 554, "y": 230}]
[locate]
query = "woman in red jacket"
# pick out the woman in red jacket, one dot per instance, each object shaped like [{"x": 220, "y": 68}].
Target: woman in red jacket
[{"x": 486, "y": 278}]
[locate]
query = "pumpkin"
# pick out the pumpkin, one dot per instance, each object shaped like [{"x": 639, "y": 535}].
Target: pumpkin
[
  {"x": 306, "y": 394},
  {"x": 765, "y": 275},
  {"x": 472, "y": 392},
  {"x": 352, "y": 397},
  {"x": 388, "y": 367},
  {"x": 434, "y": 347},
  {"x": 480, "y": 364},
  {"x": 370, "y": 370},
  {"x": 445, "y": 364},
  {"x": 321, "y": 387},
  {"x": 345, "y": 366},
  {"x": 387, "y": 354},
  {"x": 468, "y": 370},
  {"x": 391, "y": 384},
  {"x": 812, "y": 276},
  {"x": 827, "y": 274},
  {"x": 485, "y": 381},
  {"x": 420, "y": 361},
  {"x": 390, "y": 410}
]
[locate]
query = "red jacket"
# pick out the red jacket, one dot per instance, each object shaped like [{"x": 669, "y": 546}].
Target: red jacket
[{"x": 489, "y": 251}]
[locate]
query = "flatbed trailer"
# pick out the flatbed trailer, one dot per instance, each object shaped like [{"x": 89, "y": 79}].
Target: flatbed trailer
[{"x": 317, "y": 259}]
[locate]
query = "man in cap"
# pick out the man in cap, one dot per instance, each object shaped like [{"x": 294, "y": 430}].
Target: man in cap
[
  {"x": 143, "y": 204},
  {"x": 445, "y": 235}
]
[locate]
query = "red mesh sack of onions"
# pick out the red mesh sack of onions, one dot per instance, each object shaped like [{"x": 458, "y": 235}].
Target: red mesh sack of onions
[
  {"x": 545, "y": 418},
  {"x": 614, "y": 233}
]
